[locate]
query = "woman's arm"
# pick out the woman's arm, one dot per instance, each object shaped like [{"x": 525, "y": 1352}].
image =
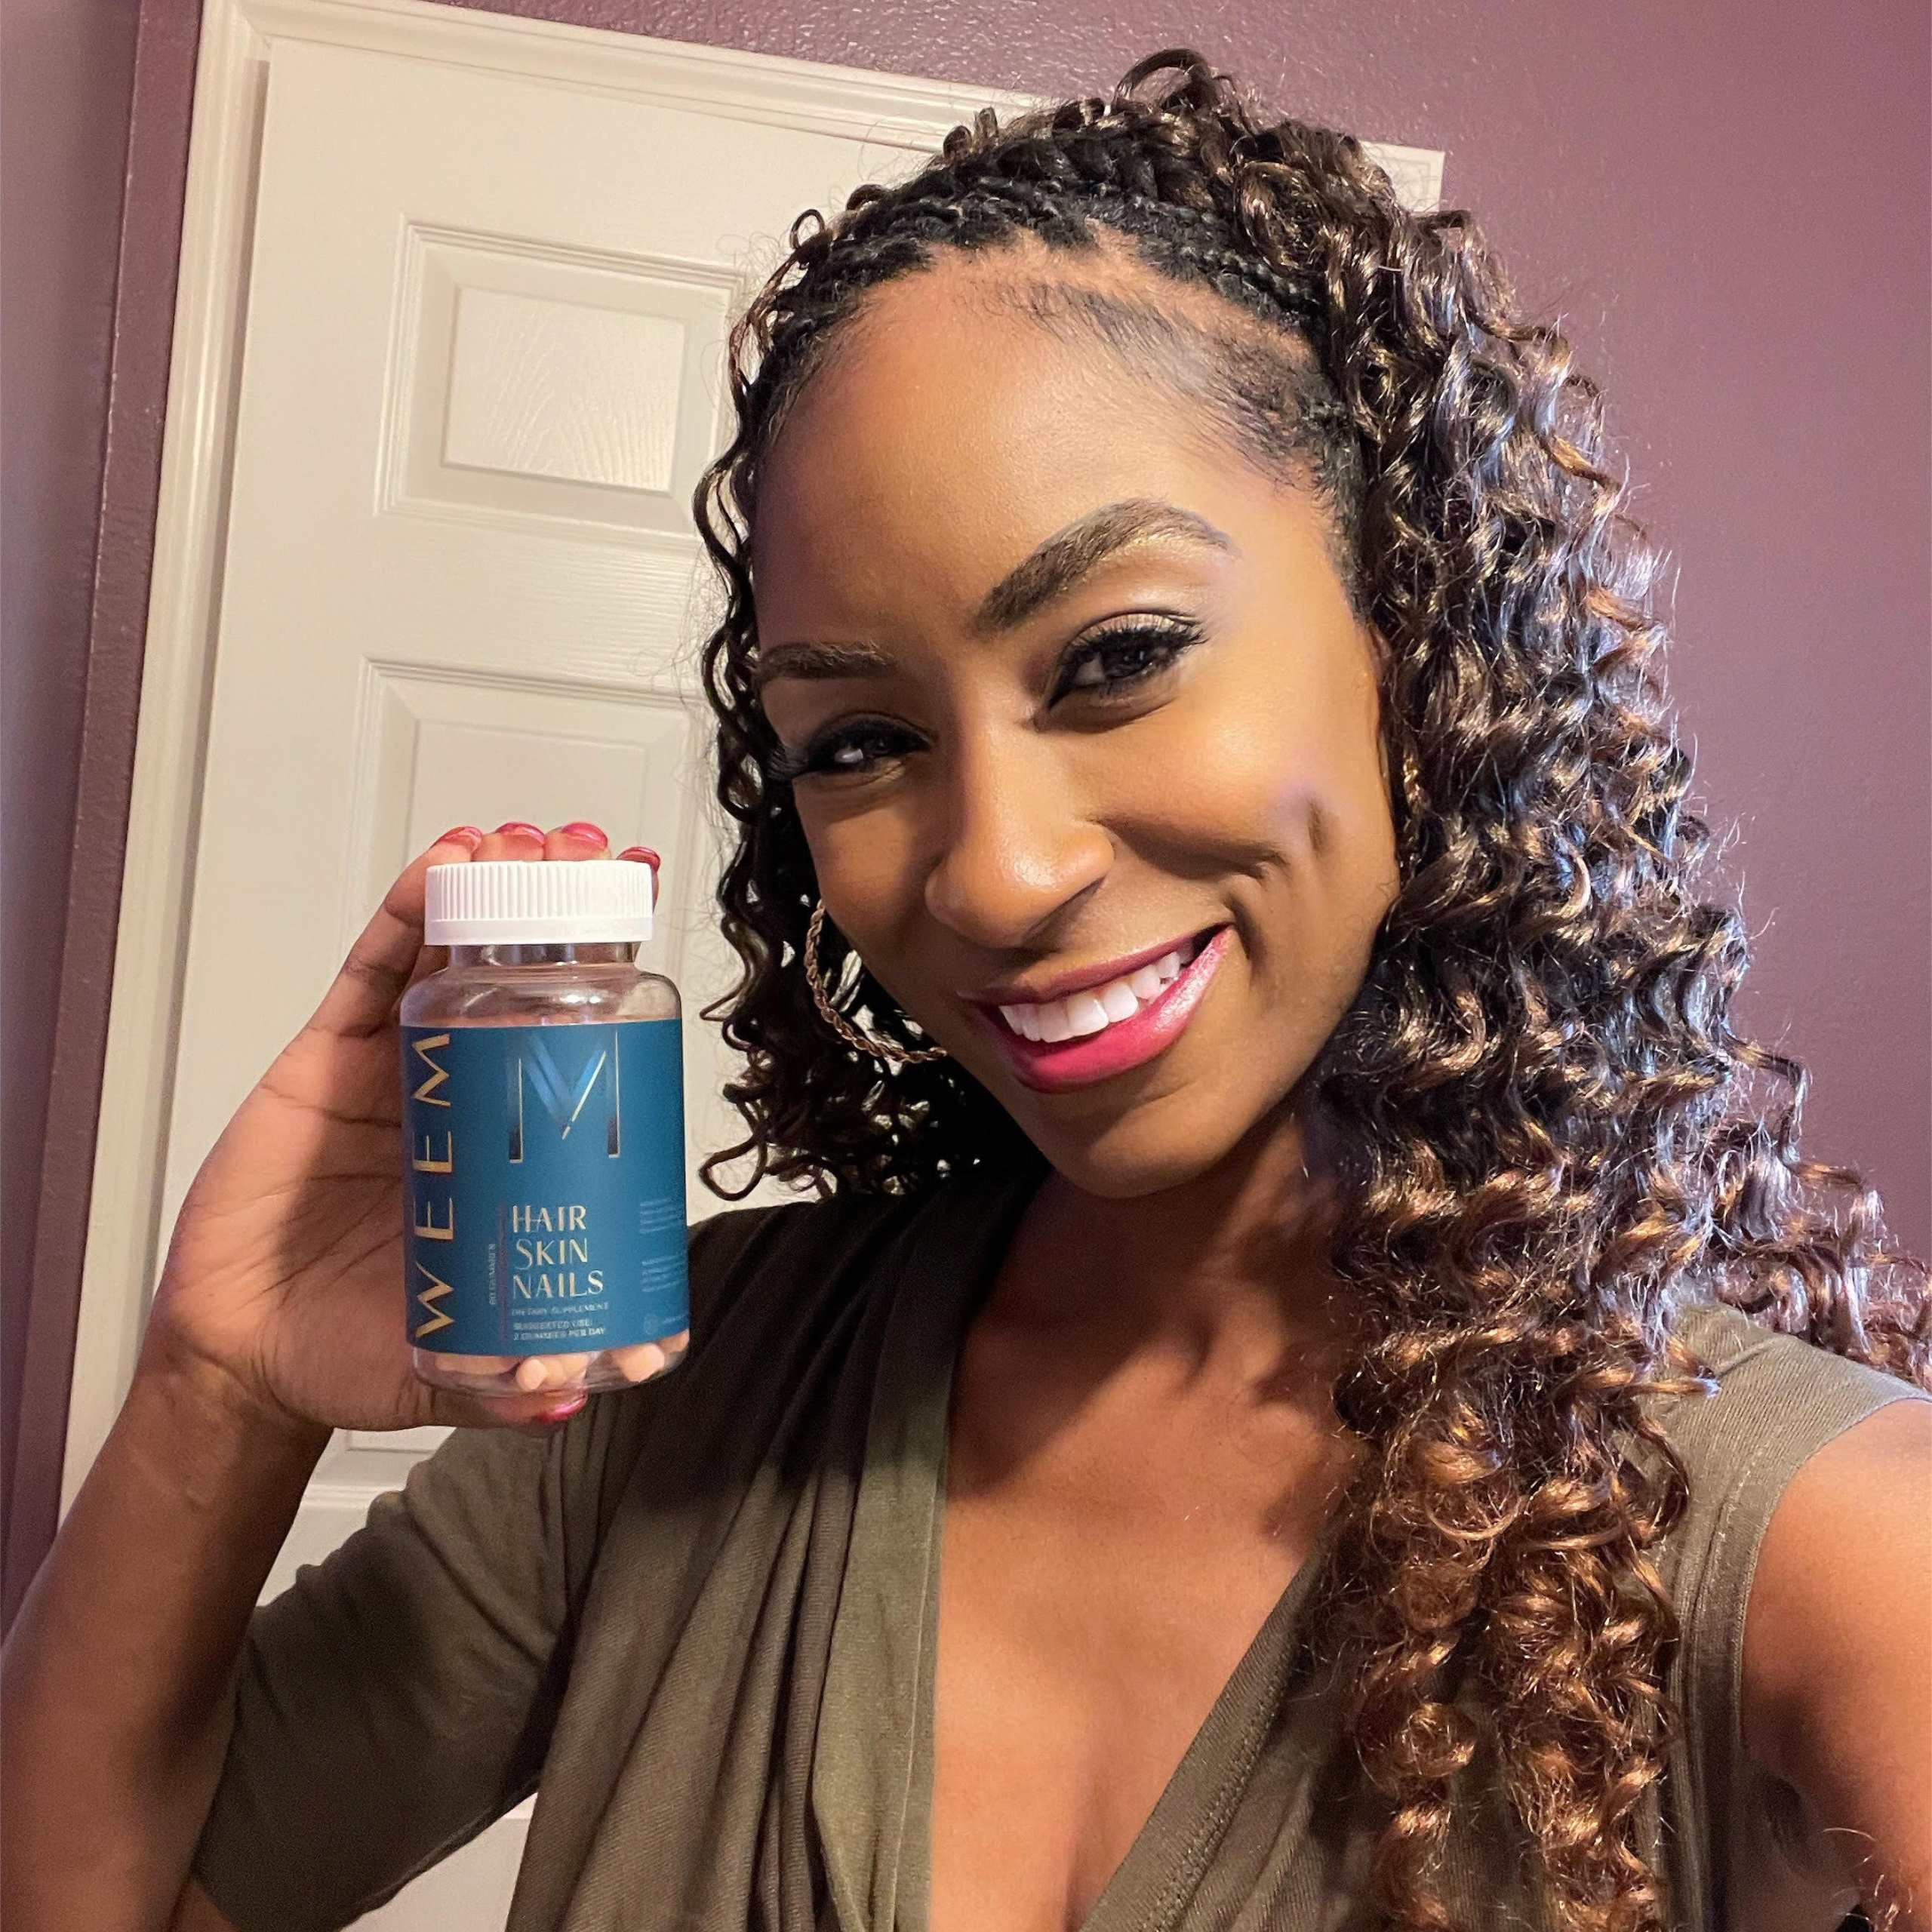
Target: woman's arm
[
  {"x": 119, "y": 1670},
  {"x": 278, "y": 1316},
  {"x": 1838, "y": 1654}
]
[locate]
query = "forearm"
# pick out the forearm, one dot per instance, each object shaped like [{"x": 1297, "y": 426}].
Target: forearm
[{"x": 118, "y": 1675}]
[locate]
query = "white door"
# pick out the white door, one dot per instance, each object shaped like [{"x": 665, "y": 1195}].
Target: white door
[
  {"x": 481, "y": 374},
  {"x": 478, "y": 309}
]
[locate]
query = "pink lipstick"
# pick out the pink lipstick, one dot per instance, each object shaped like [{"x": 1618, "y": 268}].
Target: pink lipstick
[{"x": 1113, "y": 1045}]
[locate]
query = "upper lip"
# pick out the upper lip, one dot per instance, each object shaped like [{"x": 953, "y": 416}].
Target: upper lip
[{"x": 1079, "y": 979}]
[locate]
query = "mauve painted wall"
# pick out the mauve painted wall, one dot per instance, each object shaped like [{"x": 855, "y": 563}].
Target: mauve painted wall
[
  {"x": 1728, "y": 205},
  {"x": 66, "y": 77}
]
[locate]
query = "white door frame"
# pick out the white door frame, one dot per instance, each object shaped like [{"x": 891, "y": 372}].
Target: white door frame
[{"x": 237, "y": 37}]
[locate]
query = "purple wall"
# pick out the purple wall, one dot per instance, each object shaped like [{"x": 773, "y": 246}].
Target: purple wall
[
  {"x": 66, "y": 80},
  {"x": 1728, "y": 205}
]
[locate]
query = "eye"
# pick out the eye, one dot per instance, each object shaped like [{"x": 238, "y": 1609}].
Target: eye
[
  {"x": 1123, "y": 654},
  {"x": 854, "y": 748}
]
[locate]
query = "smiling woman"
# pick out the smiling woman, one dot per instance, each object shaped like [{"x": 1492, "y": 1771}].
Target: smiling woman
[
  {"x": 1120, "y": 753},
  {"x": 1177, "y": 673},
  {"x": 1301, "y": 804},
  {"x": 1318, "y": 1389}
]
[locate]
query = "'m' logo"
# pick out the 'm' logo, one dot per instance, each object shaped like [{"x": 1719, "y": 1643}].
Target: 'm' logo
[{"x": 535, "y": 1070}]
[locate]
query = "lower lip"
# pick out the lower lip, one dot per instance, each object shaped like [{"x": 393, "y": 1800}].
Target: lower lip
[{"x": 1058, "y": 1066}]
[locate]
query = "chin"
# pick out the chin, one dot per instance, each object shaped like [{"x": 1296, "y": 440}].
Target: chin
[{"x": 1156, "y": 1144}]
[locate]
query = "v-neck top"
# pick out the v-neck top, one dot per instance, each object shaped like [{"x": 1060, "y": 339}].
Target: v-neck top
[{"x": 699, "y": 1621}]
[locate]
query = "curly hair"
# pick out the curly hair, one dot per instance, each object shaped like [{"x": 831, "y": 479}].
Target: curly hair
[{"x": 1551, "y": 1136}]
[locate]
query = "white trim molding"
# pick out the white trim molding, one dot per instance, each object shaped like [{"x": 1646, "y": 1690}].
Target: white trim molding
[{"x": 237, "y": 41}]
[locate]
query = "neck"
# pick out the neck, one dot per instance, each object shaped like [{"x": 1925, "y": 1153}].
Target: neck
[{"x": 1238, "y": 1254}]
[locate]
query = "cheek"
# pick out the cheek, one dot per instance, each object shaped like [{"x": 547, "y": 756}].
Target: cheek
[
  {"x": 867, "y": 859},
  {"x": 1291, "y": 790},
  {"x": 1341, "y": 873},
  {"x": 1286, "y": 801}
]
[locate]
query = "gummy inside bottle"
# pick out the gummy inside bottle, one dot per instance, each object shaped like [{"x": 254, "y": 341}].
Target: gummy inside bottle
[{"x": 530, "y": 1375}]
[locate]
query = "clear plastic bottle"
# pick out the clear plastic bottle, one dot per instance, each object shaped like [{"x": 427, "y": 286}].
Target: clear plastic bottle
[{"x": 543, "y": 1101}]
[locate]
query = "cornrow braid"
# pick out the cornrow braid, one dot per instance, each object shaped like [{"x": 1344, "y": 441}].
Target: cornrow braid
[
  {"x": 1199, "y": 242},
  {"x": 1551, "y": 1134}
]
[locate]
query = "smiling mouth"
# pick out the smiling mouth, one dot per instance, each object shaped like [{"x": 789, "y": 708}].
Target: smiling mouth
[
  {"x": 1098, "y": 1031},
  {"x": 1093, "y": 1009}
]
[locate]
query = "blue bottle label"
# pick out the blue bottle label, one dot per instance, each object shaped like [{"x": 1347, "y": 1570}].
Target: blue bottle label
[{"x": 544, "y": 1203}]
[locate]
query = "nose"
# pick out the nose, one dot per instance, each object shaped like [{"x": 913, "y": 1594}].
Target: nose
[{"x": 1019, "y": 843}]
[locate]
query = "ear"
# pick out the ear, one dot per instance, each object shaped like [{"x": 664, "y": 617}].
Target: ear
[
  {"x": 1401, "y": 778},
  {"x": 1380, "y": 655}
]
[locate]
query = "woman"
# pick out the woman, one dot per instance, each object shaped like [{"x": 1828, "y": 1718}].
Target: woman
[{"x": 1414, "y": 1443}]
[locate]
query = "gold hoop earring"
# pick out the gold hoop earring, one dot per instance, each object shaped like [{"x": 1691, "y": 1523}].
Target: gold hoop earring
[{"x": 888, "y": 1050}]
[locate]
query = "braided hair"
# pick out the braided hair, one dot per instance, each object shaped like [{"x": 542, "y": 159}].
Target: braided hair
[{"x": 1551, "y": 1136}]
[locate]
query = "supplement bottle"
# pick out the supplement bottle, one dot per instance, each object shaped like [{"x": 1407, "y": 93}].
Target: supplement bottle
[{"x": 543, "y": 1139}]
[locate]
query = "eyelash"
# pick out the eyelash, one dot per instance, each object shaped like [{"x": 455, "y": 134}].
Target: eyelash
[
  {"x": 787, "y": 767},
  {"x": 1165, "y": 638}
]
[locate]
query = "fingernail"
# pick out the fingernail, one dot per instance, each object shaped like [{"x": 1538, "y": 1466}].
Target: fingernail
[
  {"x": 644, "y": 856},
  {"x": 562, "y": 1411},
  {"x": 511, "y": 827},
  {"x": 461, "y": 835},
  {"x": 584, "y": 829}
]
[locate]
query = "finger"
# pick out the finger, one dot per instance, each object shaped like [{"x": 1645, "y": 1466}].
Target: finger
[
  {"x": 432, "y": 959},
  {"x": 536, "y": 1414},
  {"x": 644, "y": 856},
  {"x": 515, "y": 838},
  {"x": 579, "y": 839},
  {"x": 641, "y": 1360},
  {"x": 364, "y": 993}
]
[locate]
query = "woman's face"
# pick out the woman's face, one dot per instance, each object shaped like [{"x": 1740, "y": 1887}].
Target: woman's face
[{"x": 1084, "y": 727}]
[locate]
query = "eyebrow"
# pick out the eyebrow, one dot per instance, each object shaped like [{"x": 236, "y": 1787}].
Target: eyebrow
[
  {"x": 1054, "y": 568},
  {"x": 1069, "y": 555},
  {"x": 819, "y": 660}
]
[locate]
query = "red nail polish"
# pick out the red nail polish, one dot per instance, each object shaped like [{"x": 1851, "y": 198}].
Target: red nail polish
[
  {"x": 562, "y": 1411},
  {"x": 461, "y": 835},
  {"x": 512, "y": 826},
  {"x": 644, "y": 856},
  {"x": 584, "y": 829}
]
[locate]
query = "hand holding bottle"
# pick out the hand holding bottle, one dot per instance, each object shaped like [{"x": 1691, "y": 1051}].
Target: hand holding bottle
[{"x": 283, "y": 1282}]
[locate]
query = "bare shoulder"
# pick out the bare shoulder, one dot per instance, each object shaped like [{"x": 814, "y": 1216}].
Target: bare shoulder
[
  {"x": 1837, "y": 1691},
  {"x": 1845, "y": 1572}
]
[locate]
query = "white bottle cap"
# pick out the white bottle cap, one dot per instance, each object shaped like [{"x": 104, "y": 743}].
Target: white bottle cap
[{"x": 534, "y": 901}]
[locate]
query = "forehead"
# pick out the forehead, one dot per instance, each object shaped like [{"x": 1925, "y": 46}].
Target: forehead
[{"x": 958, "y": 419}]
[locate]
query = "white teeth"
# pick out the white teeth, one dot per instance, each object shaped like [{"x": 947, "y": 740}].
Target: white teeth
[
  {"x": 1085, "y": 1015},
  {"x": 1092, "y": 1010}
]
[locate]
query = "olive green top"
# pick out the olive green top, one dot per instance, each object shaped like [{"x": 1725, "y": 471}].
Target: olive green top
[{"x": 702, "y": 1613}]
